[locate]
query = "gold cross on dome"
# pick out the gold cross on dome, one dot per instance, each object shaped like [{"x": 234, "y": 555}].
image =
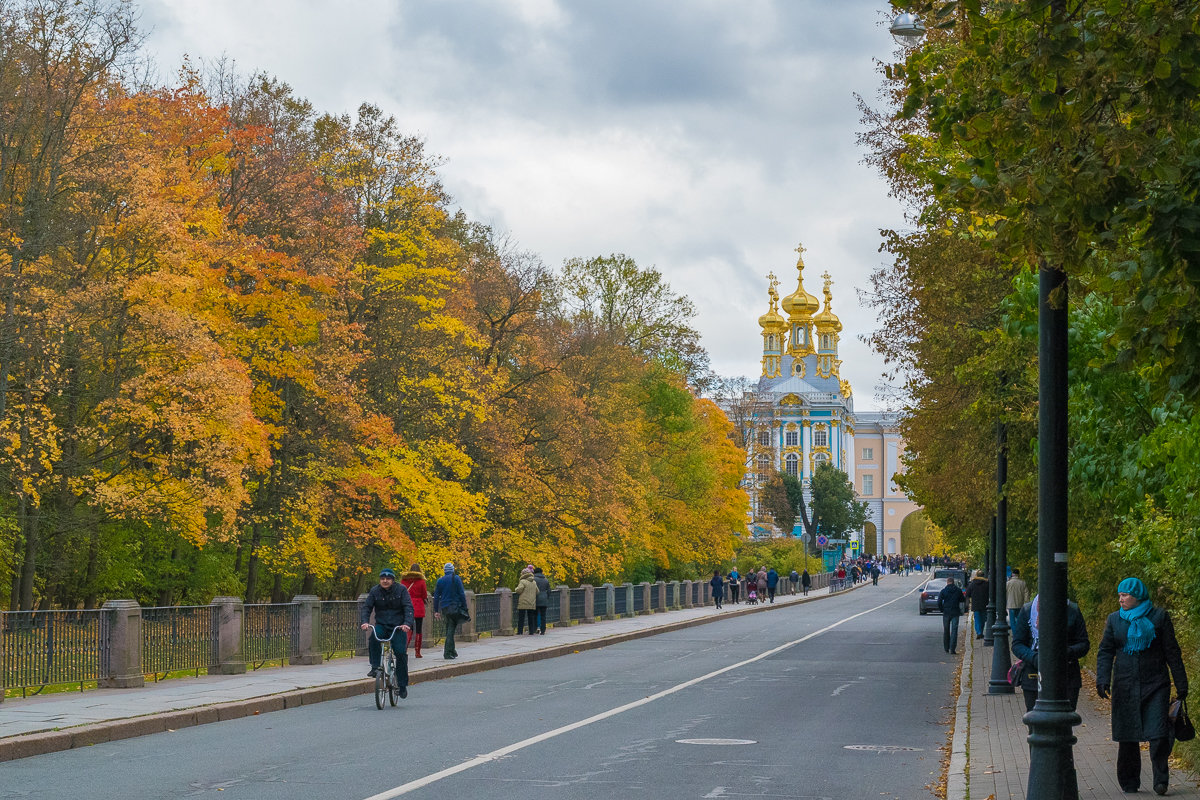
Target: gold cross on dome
[
  {"x": 800, "y": 253},
  {"x": 774, "y": 282}
]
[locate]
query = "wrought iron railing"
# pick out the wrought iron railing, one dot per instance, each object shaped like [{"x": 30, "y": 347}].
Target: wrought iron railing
[
  {"x": 178, "y": 639},
  {"x": 621, "y": 601},
  {"x": 45, "y": 648},
  {"x": 487, "y": 613},
  {"x": 639, "y": 599},
  {"x": 578, "y": 597},
  {"x": 600, "y": 602},
  {"x": 670, "y": 595},
  {"x": 553, "y": 611},
  {"x": 270, "y": 632},
  {"x": 340, "y": 631}
]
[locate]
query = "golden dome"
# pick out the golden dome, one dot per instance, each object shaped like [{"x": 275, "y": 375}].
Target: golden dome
[
  {"x": 800, "y": 305},
  {"x": 772, "y": 320},
  {"x": 827, "y": 320}
]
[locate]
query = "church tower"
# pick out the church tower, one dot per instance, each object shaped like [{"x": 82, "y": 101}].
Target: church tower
[
  {"x": 800, "y": 307},
  {"x": 828, "y": 329},
  {"x": 774, "y": 331}
]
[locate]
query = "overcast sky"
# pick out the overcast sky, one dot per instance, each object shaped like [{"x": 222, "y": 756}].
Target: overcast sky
[{"x": 703, "y": 138}]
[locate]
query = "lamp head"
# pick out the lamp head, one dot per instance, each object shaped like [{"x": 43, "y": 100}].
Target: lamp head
[{"x": 907, "y": 28}]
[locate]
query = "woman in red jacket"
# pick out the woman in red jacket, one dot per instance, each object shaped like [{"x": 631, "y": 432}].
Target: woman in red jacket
[{"x": 414, "y": 581}]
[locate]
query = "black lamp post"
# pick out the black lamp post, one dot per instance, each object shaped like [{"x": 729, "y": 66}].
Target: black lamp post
[
  {"x": 989, "y": 573},
  {"x": 1001, "y": 660}
]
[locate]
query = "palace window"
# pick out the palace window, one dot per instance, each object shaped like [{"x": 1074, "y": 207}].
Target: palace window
[
  {"x": 791, "y": 439},
  {"x": 793, "y": 465},
  {"x": 820, "y": 436},
  {"x": 764, "y": 437},
  {"x": 868, "y": 485},
  {"x": 868, "y": 454}
]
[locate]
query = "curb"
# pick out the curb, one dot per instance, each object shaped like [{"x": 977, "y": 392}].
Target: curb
[
  {"x": 43, "y": 742},
  {"x": 957, "y": 771}
]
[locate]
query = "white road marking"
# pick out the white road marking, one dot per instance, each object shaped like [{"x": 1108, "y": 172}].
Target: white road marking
[{"x": 487, "y": 758}]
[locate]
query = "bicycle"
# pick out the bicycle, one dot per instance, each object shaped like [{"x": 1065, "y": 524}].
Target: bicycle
[{"x": 385, "y": 677}]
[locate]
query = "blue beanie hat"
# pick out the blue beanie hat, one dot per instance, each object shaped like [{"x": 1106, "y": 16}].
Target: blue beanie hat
[
  {"x": 1135, "y": 587},
  {"x": 448, "y": 568}
]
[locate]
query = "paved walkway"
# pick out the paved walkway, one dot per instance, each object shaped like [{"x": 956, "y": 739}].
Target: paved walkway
[
  {"x": 998, "y": 766},
  {"x": 49, "y": 723}
]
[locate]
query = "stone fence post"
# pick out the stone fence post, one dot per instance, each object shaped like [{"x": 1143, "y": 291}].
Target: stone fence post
[
  {"x": 228, "y": 659},
  {"x": 466, "y": 631},
  {"x": 675, "y": 595},
  {"x": 647, "y": 599},
  {"x": 360, "y": 649},
  {"x": 660, "y": 596},
  {"x": 122, "y": 631},
  {"x": 610, "y": 600},
  {"x": 504, "y": 596},
  {"x": 686, "y": 588},
  {"x": 308, "y": 645},
  {"x": 627, "y": 588},
  {"x": 564, "y": 605},
  {"x": 589, "y": 604}
]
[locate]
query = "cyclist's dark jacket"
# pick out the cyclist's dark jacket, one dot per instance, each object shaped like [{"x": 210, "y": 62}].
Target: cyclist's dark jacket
[{"x": 392, "y": 607}]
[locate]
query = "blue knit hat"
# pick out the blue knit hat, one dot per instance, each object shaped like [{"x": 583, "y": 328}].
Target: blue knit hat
[
  {"x": 1135, "y": 587},
  {"x": 448, "y": 568}
]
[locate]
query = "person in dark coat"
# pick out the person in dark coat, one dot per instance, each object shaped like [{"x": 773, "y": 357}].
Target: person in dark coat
[
  {"x": 805, "y": 582},
  {"x": 1137, "y": 660},
  {"x": 772, "y": 583},
  {"x": 1025, "y": 635},
  {"x": 951, "y": 602},
  {"x": 977, "y": 595},
  {"x": 393, "y": 609},
  {"x": 450, "y": 604},
  {"x": 543, "y": 598},
  {"x": 795, "y": 581},
  {"x": 718, "y": 588}
]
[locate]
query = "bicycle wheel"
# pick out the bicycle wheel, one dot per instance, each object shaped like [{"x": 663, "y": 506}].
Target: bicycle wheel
[
  {"x": 393, "y": 688},
  {"x": 380, "y": 688}
]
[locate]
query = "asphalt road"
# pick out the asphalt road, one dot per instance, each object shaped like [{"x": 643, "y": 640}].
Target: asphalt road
[{"x": 849, "y": 697}]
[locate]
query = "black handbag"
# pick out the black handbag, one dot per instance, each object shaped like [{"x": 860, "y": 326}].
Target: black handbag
[{"x": 1182, "y": 725}]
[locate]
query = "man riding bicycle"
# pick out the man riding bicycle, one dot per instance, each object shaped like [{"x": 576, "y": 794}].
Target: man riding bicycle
[{"x": 393, "y": 609}]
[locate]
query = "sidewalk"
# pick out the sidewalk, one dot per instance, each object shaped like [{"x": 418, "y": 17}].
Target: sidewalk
[
  {"x": 998, "y": 765},
  {"x": 49, "y": 723}
]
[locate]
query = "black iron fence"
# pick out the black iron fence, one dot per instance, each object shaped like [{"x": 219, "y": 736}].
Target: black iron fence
[
  {"x": 42, "y": 648},
  {"x": 487, "y": 613},
  {"x": 340, "y": 631},
  {"x": 178, "y": 639},
  {"x": 270, "y": 632}
]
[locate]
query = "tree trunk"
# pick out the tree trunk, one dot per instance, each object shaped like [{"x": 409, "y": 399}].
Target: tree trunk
[
  {"x": 252, "y": 565},
  {"x": 310, "y": 584},
  {"x": 277, "y": 589}
]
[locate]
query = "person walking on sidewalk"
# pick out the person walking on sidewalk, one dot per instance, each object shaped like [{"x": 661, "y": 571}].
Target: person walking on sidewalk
[
  {"x": 1137, "y": 660},
  {"x": 418, "y": 591},
  {"x": 735, "y": 585},
  {"x": 393, "y": 609},
  {"x": 543, "y": 598},
  {"x": 795, "y": 581},
  {"x": 977, "y": 594},
  {"x": 772, "y": 583},
  {"x": 718, "y": 588},
  {"x": 1017, "y": 596},
  {"x": 450, "y": 604},
  {"x": 805, "y": 582},
  {"x": 951, "y": 602},
  {"x": 526, "y": 592},
  {"x": 1025, "y": 634}
]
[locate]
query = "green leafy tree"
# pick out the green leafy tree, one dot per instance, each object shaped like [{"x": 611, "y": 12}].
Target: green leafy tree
[{"x": 833, "y": 501}]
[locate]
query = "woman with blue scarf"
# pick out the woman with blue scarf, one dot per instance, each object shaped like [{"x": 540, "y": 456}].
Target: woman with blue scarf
[{"x": 1137, "y": 660}]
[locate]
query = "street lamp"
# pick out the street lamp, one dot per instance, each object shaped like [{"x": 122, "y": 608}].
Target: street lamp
[
  {"x": 907, "y": 29},
  {"x": 1051, "y": 723}
]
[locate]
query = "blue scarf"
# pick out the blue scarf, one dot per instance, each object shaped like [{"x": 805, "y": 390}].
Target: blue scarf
[
  {"x": 1033, "y": 620},
  {"x": 1141, "y": 629}
]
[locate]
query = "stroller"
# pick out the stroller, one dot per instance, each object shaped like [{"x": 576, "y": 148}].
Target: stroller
[{"x": 751, "y": 595}]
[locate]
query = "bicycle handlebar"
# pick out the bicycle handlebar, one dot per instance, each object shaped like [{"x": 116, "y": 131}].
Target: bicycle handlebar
[{"x": 374, "y": 631}]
